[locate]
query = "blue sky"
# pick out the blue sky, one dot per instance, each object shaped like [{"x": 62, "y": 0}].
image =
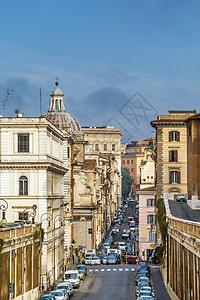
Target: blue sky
[{"x": 105, "y": 53}]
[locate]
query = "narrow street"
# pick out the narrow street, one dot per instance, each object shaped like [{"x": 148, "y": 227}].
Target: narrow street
[{"x": 106, "y": 282}]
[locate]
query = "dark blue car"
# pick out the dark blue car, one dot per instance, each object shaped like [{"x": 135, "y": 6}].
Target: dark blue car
[{"x": 47, "y": 297}]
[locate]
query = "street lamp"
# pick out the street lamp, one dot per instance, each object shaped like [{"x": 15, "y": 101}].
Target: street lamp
[
  {"x": 48, "y": 218},
  {"x": 3, "y": 207},
  {"x": 31, "y": 214},
  {"x": 54, "y": 257}
]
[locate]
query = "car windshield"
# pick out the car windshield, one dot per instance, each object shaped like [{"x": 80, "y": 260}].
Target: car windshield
[
  {"x": 60, "y": 293},
  {"x": 61, "y": 287},
  {"x": 71, "y": 276},
  {"x": 95, "y": 258},
  {"x": 106, "y": 244}
]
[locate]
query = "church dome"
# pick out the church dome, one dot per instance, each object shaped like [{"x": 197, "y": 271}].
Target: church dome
[
  {"x": 57, "y": 114},
  {"x": 64, "y": 120}
]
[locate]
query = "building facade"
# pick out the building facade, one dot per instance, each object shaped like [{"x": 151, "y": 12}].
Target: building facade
[
  {"x": 32, "y": 173},
  {"x": 171, "y": 152},
  {"x": 147, "y": 223}
]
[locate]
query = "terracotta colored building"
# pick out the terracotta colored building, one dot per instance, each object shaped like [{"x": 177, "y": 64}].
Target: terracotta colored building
[{"x": 193, "y": 156}]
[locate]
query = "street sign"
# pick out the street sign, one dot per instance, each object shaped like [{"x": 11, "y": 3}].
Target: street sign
[
  {"x": 11, "y": 288},
  {"x": 152, "y": 245},
  {"x": 34, "y": 207},
  {"x": 89, "y": 230}
]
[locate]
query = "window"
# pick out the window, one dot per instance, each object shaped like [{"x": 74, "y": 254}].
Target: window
[
  {"x": 173, "y": 155},
  {"x": 96, "y": 147},
  {"x": 174, "y": 177},
  {"x": 150, "y": 202},
  {"x": 174, "y": 136},
  {"x": 147, "y": 177},
  {"x": 151, "y": 236},
  {"x": 123, "y": 162},
  {"x": 150, "y": 219},
  {"x": 132, "y": 170},
  {"x": 132, "y": 162},
  {"x": 60, "y": 103},
  {"x": 105, "y": 147},
  {"x": 151, "y": 177},
  {"x": 23, "y": 185},
  {"x": 23, "y": 142},
  {"x": 113, "y": 147},
  {"x": 128, "y": 162},
  {"x": 23, "y": 216},
  {"x": 68, "y": 152},
  {"x": 189, "y": 131},
  {"x": 56, "y": 104}
]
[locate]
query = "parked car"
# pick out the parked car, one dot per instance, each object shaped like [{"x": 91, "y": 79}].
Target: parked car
[
  {"x": 47, "y": 297},
  {"x": 82, "y": 267},
  {"x": 60, "y": 295},
  {"x": 95, "y": 261},
  {"x": 67, "y": 286},
  {"x": 181, "y": 198},
  {"x": 131, "y": 259}
]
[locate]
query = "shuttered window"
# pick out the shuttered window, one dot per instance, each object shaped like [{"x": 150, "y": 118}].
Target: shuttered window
[
  {"x": 150, "y": 219},
  {"x": 173, "y": 156},
  {"x": 174, "y": 136},
  {"x": 174, "y": 177}
]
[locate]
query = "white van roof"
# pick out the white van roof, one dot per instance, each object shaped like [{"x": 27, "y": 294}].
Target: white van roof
[{"x": 71, "y": 271}]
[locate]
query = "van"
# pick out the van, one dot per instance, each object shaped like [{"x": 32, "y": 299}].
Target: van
[{"x": 73, "y": 277}]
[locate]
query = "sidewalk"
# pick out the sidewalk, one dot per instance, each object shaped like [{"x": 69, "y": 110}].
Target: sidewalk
[{"x": 158, "y": 284}]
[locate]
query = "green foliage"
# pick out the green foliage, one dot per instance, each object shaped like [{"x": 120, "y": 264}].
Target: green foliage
[
  {"x": 126, "y": 182},
  {"x": 1, "y": 254},
  {"x": 161, "y": 215}
]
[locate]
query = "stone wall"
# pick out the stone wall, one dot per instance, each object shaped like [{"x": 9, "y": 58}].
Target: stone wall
[{"x": 11, "y": 267}]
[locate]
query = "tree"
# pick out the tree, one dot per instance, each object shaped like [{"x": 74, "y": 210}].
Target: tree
[{"x": 127, "y": 181}]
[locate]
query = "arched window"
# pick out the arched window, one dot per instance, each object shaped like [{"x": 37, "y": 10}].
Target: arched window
[
  {"x": 60, "y": 103},
  {"x": 52, "y": 103},
  {"x": 56, "y": 104},
  {"x": 23, "y": 185}
]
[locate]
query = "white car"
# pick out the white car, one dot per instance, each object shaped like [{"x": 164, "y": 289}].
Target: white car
[
  {"x": 87, "y": 260},
  {"x": 60, "y": 295},
  {"x": 67, "y": 286},
  {"x": 95, "y": 261}
]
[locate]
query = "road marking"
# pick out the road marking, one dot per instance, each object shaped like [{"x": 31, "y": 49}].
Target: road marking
[
  {"x": 102, "y": 270},
  {"x": 126, "y": 269},
  {"x": 90, "y": 270},
  {"x": 114, "y": 270},
  {"x": 108, "y": 270},
  {"x": 132, "y": 270},
  {"x": 120, "y": 269},
  {"x": 96, "y": 270}
]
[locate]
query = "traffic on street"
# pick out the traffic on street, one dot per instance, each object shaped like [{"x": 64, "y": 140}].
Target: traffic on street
[{"x": 115, "y": 271}]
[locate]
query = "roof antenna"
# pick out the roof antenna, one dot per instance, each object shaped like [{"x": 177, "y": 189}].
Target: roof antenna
[{"x": 40, "y": 102}]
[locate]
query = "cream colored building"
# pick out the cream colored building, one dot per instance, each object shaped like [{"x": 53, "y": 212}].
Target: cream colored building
[
  {"x": 147, "y": 171},
  {"x": 171, "y": 152},
  {"x": 104, "y": 145},
  {"x": 32, "y": 172}
]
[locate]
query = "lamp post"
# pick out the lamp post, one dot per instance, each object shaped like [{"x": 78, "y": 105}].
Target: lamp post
[
  {"x": 54, "y": 247},
  {"x": 48, "y": 218},
  {"x": 3, "y": 207},
  {"x": 31, "y": 214}
]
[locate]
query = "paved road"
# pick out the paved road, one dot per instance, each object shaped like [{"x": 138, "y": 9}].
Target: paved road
[
  {"x": 182, "y": 211},
  {"x": 107, "y": 283},
  {"x": 117, "y": 281}
]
